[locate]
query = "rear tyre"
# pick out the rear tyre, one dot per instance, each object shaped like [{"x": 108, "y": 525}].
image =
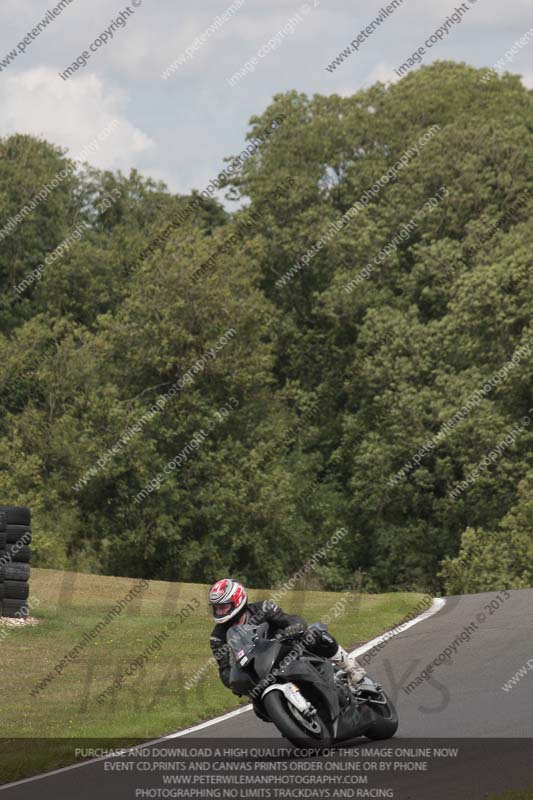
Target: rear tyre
[
  {"x": 282, "y": 716},
  {"x": 387, "y": 723}
]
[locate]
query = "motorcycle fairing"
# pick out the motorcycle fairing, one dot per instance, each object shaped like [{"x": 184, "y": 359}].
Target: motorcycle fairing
[
  {"x": 265, "y": 656},
  {"x": 317, "y": 672},
  {"x": 254, "y": 655}
]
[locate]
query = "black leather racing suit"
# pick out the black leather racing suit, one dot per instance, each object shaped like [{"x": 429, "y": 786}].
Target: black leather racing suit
[{"x": 265, "y": 611}]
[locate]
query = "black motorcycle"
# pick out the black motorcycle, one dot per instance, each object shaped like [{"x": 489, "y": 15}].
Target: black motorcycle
[{"x": 309, "y": 699}]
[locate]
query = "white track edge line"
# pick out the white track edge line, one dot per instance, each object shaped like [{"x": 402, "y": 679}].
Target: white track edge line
[{"x": 438, "y": 603}]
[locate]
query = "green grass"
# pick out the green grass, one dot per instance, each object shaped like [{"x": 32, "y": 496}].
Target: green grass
[
  {"x": 153, "y": 702},
  {"x": 525, "y": 794}
]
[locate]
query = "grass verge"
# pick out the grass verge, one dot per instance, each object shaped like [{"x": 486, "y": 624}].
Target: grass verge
[{"x": 45, "y": 703}]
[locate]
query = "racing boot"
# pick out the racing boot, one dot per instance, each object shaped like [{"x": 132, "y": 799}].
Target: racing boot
[{"x": 353, "y": 670}]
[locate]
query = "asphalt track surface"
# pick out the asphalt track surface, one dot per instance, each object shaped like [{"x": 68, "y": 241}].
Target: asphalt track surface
[{"x": 461, "y": 705}]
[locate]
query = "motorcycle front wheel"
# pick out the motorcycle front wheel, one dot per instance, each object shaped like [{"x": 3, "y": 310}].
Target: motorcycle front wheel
[{"x": 299, "y": 730}]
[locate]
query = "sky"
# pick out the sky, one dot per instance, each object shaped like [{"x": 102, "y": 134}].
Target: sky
[{"x": 177, "y": 123}]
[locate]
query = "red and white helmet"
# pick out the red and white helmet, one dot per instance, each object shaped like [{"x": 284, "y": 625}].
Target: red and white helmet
[{"x": 227, "y": 597}]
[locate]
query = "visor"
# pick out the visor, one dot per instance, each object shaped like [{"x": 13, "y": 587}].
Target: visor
[{"x": 221, "y": 609}]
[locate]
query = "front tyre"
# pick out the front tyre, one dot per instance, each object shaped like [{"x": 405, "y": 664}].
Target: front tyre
[
  {"x": 299, "y": 731},
  {"x": 386, "y": 723}
]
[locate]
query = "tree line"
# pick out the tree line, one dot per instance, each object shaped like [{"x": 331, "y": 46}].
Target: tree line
[{"x": 335, "y": 391}]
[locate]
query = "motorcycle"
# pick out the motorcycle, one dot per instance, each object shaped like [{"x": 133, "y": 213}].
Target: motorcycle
[{"x": 307, "y": 697}]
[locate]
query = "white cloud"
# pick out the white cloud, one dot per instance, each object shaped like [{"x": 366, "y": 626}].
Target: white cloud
[
  {"x": 527, "y": 78},
  {"x": 195, "y": 117},
  {"x": 71, "y": 114},
  {"x": 382, "y": 72}
]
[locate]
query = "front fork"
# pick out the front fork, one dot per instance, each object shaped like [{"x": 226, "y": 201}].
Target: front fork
[{"x": 293, "y": 696}]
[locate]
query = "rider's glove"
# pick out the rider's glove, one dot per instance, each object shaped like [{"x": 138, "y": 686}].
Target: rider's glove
[{"x": 291, "y": 631}]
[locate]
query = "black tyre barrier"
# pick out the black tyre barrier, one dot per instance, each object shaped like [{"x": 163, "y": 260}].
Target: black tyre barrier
[
  {"x": 16, "y": 590},
  {"x": 16, "y": 515},
  {"x": 17, "y": 533},
  {"x": 14, "y": 608},
  {"x": 3, "y": 524},
  {"x": 15, "y": 572},
  {"x": 15, "y": 537},
  {"x": 17, "y": 552}
]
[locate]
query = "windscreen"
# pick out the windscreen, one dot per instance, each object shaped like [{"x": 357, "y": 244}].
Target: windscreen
[{"x": 241, "y": 639}]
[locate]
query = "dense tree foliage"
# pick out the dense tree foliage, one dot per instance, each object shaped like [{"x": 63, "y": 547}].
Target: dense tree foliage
[{"x": 325, "y": 405}]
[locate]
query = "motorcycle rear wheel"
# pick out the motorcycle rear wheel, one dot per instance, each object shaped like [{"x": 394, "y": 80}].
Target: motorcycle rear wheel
[
  {"x": 277, "y": 709},
  {"x": 387, "y": 723}
]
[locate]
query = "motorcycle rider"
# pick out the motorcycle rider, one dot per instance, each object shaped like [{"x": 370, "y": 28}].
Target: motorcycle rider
[{"x": 230, "y": 606}]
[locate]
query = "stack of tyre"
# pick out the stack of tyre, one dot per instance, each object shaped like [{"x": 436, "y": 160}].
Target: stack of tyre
[{"x": 15, "y": 538}]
